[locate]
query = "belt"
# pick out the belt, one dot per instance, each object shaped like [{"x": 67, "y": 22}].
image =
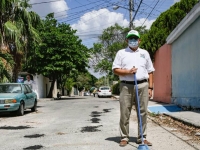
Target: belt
[{"x": 133, "y": 82}]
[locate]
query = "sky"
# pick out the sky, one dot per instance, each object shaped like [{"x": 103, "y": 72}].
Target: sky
[{"x": 91, "y": 17}]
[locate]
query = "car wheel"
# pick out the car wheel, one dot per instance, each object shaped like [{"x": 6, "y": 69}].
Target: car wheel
[
  {"x": 33, "y": 109},
  {"x": 20, "y": 111},
  {"x": 99, "y": 96}
]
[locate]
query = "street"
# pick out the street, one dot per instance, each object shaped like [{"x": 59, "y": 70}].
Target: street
[{"x": 79, "y": 123}]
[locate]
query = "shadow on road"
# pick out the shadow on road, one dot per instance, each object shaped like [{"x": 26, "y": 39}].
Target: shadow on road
[
  {"x": 14, "y": 114},
  {"x": 68, "y": 98},
  {"x": 117, "y": 139}
]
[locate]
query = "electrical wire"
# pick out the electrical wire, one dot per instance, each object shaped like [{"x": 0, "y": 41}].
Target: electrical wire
[
  {"x": 150, "y": 12},
  {"x": 46, "y": 2}
]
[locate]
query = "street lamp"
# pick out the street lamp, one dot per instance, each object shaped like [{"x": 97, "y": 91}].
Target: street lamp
[{"x": 131, "y": 9}]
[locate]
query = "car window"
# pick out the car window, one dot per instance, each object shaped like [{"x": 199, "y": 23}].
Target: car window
[
  {"x": 25, "y": 89},
  {"x": 28, "y": 89},
  {"x": 10, "y": 88},
  {"x": 105, "y": 88}
]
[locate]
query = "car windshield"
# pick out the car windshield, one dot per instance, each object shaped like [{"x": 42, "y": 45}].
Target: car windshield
[{"x": 10, "y": 88}]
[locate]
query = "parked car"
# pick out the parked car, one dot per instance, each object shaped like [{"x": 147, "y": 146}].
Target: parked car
[
  {"x": 17, "y": 97},
  {"x": 86, "y": 94},
  {"x": 104, "y": 91}
]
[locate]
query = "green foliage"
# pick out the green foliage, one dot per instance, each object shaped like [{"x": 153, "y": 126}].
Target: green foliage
[
  {"x": 85, "y": 80},
  {"x": 17, "y": 27},
  {"x": 164, "y": 25},
  {"x": 116, "y": 89},
  {"x": 61, "y": 54},
  {"x": 69, "y": 85}
]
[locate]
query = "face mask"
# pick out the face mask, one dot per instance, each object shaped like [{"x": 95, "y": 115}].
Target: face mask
[{"x": 133, "y": 43}]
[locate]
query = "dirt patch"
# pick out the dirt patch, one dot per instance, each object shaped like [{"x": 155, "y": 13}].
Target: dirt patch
[{"x": 177, "y": 126}]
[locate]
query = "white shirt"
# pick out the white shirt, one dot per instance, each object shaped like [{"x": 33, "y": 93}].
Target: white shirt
[
  {"x": 30, "y": 83},
  {"x": 127, "y": 58}
]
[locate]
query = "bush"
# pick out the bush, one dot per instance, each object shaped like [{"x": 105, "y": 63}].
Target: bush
[{"x": 115, "y": 89}]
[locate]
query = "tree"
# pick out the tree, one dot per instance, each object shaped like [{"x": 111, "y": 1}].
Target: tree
[
  {"x": 85, "y": 80},
  {"x": 60, "y": 54},
  {"x": 165, "y": 24},
  {"x": 16, "y": 28},
  {"x": 6, "y": 63}
]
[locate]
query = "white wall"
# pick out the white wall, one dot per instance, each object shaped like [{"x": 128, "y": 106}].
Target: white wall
[{"x": 43, "y": 86}]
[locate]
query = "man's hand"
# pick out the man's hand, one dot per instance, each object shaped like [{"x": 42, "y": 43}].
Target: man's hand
[
  {"x": 150, "y": 93},
  {"x": 132, "y": 71}
]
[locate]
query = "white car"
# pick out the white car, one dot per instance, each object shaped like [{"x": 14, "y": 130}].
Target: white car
[{"x": 104, "y": 91}]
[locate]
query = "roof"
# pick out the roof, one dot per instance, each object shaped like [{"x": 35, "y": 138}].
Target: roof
[{"x": 184, "y": 24}]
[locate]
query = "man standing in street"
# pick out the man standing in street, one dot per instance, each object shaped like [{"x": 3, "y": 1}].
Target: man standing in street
[{"x": 129, "y": 61}]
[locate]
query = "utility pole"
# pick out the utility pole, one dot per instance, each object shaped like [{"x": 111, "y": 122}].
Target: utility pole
[{"x": 130, "y": 14}]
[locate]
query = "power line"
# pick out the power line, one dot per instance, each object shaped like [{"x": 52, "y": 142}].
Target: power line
[
  {"x": 46, "y": 2},
  {"x": 136, "y": 11},
  {"x": 150, "y": 12}
]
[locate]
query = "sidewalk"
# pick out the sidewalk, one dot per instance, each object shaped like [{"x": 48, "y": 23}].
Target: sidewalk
[{"x": 172, "y": 110}]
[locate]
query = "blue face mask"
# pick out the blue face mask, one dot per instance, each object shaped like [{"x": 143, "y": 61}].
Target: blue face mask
[{"x": 132, "y": 43}]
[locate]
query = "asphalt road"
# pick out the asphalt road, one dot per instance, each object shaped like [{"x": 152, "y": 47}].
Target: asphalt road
[{"x": 78, "y": 123}]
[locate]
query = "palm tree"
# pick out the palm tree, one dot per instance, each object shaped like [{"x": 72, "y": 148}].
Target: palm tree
[{"x": 17, "y": 27}]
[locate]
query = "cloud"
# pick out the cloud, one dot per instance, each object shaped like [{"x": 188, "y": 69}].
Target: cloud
[
  {"x": 143, "y": 22},
  {"x": 58, "y": 7},
  {"x": 176, "y": 1},
  {"x": 93, "y": 23}
]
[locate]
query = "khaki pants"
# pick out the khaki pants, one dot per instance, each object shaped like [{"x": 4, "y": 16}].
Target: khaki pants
[{"x": 127, "y": 99}]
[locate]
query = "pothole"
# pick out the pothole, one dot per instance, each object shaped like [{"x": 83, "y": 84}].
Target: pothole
[
  {"x": 107, "y": 110},
  {"x": 90, "y": 129},
  {"x": 95, "y": 115},
  {"x": 34, "y": 147},
  {"x": 15, "y": 128},
  {"x": 34, "y": 136},
  {"x": 95, "y": 120}
]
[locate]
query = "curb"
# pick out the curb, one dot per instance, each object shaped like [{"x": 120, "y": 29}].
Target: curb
[{"x": 183, "y": 120}]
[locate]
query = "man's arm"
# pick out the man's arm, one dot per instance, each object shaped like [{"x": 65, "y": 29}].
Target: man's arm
[
  {"x": 150, "y": 84},
  {"x": 151, "y": 80},
  {"x": 123, "y": 72}
]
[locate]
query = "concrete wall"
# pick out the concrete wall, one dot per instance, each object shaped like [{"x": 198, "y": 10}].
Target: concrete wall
[
  {"x": 162, "y": 75},
  {"x": 43, "y": 85},
  {"x": 185, "y": 67}
]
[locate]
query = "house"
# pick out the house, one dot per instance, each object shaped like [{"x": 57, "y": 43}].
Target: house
[{"x": 181, "y": 82}]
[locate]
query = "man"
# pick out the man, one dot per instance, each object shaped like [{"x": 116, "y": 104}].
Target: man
[
  {"x": 129, "y": 61},
  {"x": 29, "y": 81}
]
